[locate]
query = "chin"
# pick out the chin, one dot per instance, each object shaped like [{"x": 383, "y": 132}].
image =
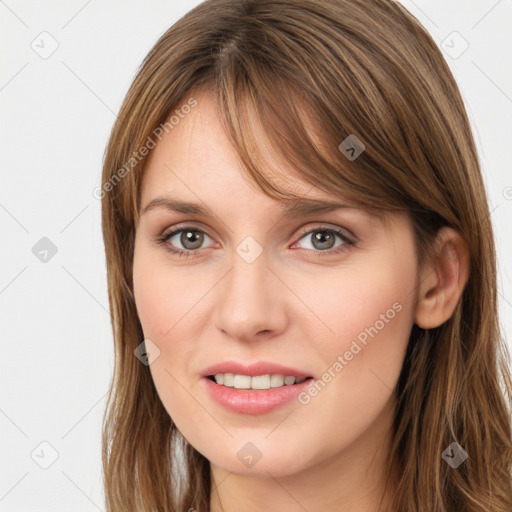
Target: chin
[{"x": 247, "y": 460}]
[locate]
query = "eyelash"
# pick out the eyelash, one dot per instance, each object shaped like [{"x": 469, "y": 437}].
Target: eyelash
[{"x": 347, "y": 242}]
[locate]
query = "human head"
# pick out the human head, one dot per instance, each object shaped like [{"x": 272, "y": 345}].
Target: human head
[{"x": 305, "y": 70}]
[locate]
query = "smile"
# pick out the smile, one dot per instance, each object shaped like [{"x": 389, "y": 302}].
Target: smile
[{"x": 267, "y": 381}]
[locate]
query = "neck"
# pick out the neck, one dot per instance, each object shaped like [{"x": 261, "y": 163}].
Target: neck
[{"x": 352, "y": 480}]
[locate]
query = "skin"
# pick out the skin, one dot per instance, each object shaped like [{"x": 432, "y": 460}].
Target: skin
[{"x": 296, "y": 305}]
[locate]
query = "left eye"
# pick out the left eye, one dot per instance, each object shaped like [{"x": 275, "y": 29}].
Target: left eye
[{"x": 323, "y": 239}]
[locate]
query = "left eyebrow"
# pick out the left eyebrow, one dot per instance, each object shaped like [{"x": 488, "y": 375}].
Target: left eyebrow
[
  {"x": 313, "y": 206},
  {"x": 296, "y": 207}
]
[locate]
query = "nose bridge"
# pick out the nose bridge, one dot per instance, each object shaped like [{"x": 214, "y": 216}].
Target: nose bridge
[{"x": 248, "y": 303}]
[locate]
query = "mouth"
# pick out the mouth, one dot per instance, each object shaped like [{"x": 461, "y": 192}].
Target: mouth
[
  {"x": 257, "y": 388},
  {"x": 256, "y": 382}
]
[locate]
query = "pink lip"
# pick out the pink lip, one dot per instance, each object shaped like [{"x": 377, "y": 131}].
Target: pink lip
[
  {"x": 253, "y": 401},
  {"x": 253, "y": 369}
]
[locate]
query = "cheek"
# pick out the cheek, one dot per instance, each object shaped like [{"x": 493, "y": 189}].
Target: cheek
[
  {"x": 349, "y": 299},
  {"x": 366, "y": 314},
  {"x": 166, "y": 313},
  {"x": 168, "y": 301},
  {"x": 369, "y": 314},
  {"x": 150, "y": 304},
  {"x": 162, "y": 309},
  {"x": 159, "y": 293}
]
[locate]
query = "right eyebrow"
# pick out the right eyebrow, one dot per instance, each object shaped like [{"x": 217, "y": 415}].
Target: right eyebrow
[{"x": 178, "y": 206}]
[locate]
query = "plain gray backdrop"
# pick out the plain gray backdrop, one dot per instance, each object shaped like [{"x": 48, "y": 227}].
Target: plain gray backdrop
[{"x": 65, "y": 68}]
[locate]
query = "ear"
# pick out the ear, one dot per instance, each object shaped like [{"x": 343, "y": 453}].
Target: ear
[{"x": 443, "y": 280}]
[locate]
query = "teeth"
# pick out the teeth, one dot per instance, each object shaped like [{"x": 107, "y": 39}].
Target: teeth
[
  {"x": 276, "y": 381},
  {"x": 260, "y": 382},
  {"x": 256, "y": 382},
  {"x": 228, "y": 379},
  {"x": 242, "y": 382}
]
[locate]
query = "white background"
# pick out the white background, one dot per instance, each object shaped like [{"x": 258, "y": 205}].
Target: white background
[{"x": 56, "y": 115}]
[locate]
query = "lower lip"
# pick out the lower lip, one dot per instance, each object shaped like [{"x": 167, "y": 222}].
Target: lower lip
[{"x": 253, "y": 401}]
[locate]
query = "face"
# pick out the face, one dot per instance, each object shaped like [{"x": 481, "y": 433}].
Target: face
[{"x": 258, "y": 295}]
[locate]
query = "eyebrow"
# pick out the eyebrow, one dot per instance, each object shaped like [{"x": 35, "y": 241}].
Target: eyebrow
[{"x": 292, "y": 207}]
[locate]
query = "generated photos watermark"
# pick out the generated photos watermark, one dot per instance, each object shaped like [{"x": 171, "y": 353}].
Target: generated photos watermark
[
  {"x": 138, "y": 156},
  {"x": 344, "y": 359}
]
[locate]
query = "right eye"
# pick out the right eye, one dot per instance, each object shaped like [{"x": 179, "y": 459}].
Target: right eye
[{"x": 190, "y": 237}]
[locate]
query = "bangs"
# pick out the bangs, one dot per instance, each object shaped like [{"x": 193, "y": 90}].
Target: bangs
[
  {"x": 279, "y": 139},
  {"x": 281, "y": 134}
]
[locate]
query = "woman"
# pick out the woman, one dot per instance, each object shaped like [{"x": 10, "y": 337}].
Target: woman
[{"x": 301, "y": 272}]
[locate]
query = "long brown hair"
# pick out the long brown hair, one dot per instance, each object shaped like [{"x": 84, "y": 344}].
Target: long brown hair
[{"x": 352, "y": 68}]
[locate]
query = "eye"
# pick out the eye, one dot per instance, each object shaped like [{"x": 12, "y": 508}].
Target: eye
[
  {"x": 189, "y": 237},
  {"x": 323, "y": 239}
]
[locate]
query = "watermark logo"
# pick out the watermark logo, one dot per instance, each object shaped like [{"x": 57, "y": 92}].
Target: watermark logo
[
  {"x": 454, "y": 455},
  {"x": 44, "y": 455},
  {"x": 44, "y": 250},
  {"x": 352, "y": 147},
  {"x": 249, "y": 454},
  {"x": 45, "y": 45},
  {"x": 454, "y": 45},
  {"x": 147, "y": 352},
  {"x": 249, "y": 250}
]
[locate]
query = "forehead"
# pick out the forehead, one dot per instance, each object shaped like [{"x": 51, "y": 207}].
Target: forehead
[{"x": 196, "y": 158}]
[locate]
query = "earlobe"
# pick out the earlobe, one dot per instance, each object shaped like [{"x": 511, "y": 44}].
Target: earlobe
[{"x": 443, "y": 280}]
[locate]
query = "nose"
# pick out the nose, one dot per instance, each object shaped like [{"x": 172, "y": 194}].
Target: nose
[{"x": 250, "y": 304}]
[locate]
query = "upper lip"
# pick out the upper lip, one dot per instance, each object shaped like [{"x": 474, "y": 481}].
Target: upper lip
[{"x": 253, "y": 369}]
